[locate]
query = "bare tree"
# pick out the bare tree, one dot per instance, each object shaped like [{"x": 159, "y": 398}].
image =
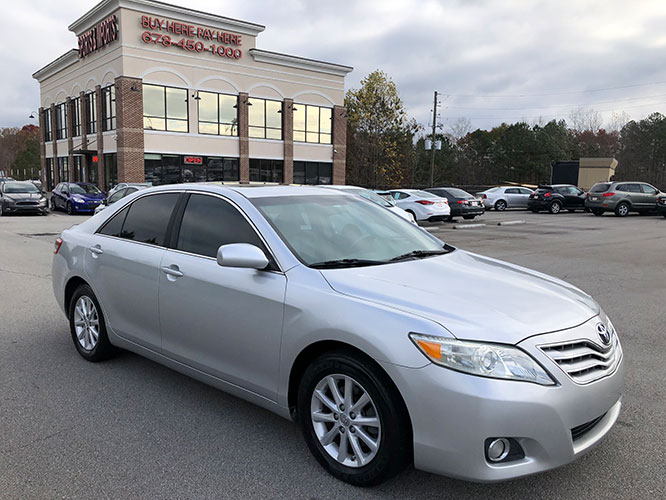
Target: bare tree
[
  {"x": 460, "y": 127},
  {"x": 583, "y": 119},
  {"x": 618, "y": 120}
]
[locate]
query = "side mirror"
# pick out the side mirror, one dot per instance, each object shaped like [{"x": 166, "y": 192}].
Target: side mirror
[
  {"x": 241, "y": 255},
  {"x": 105, "y": 201}
]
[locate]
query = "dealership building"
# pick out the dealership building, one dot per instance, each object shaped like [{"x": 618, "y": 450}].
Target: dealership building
[{"x": 165, "y": 94}]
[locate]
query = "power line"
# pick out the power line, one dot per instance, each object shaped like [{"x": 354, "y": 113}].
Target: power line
[{"x": 559, "y": 93}]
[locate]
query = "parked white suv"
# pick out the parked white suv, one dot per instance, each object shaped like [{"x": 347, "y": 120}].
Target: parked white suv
[{"x": 503, "y": 197}]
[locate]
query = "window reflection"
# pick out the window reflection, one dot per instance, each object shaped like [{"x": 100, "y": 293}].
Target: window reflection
[
  {"x": 165, "y": 108},
  {"x": 264, "y": 118},
  {"x": 218, "y": 114},
  {"x": 312, "y": 123}
]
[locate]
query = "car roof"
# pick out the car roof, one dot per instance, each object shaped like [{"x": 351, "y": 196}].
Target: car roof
[{"x": 250, "y": 190}]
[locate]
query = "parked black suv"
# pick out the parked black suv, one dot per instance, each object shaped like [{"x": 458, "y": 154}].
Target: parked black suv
[
  {"x": 556, "y": 197},
  {"x": 461, "y": 202}
]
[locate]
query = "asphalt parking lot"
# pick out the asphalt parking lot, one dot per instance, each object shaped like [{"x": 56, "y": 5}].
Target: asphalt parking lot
[{"x": 132, "y": 428}]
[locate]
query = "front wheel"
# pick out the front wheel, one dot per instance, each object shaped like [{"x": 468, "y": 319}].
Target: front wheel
[
  {"x": 70, "y": 209},
  {"x": 87, "y": 326},
  {"x": 555, "y": 207},
  {"x": 353, "y": 419}
]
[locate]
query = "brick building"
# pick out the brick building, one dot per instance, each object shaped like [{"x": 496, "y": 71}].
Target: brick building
[{"x": 164, "y": 94}]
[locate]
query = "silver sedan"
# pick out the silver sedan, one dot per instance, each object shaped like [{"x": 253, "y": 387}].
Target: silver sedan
[{"x": 331, "y": 311}]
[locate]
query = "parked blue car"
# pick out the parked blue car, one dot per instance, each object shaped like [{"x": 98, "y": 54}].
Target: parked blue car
[{"x": 76, "y": 197}]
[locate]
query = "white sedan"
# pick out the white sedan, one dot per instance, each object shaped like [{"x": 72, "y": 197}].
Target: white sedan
[
  {"x": 375, "y": 198},
  {"x": 422, "y": 205}
]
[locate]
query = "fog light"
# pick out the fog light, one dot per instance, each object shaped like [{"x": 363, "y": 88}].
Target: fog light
[{"x": 498, "y": 449}]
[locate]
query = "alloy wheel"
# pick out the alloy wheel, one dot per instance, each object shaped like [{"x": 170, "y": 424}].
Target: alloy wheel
[
  {"x": 86, "y": 323},
  {"x": 345, "y": 420},
  {"x": 622, "y": 210}
]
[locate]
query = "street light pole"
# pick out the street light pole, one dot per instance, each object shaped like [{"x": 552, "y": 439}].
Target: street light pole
[{"x": 434, "y": 128}]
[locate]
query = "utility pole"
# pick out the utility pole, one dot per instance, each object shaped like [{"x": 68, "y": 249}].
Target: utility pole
[{"x": 434, "y": 129}]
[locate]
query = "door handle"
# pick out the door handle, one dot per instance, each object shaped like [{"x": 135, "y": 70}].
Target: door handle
[
  {"x": 172, "y": 271},
  {"x": 96, "y": 250}
]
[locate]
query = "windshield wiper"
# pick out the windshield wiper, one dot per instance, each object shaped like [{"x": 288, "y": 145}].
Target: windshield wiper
[
  {"x": 339, "y": 263},
  {"x": 419, "y": 254}
]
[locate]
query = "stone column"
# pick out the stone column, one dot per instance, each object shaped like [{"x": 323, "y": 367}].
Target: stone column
[
  {"x": 69, "y": 126},
  {"x": 54, "y": 135},
  {"x": 129, "y": 126},
  {"x": 288, "y": 137},
  {"x": 100, "y": 140},
  {"x": 339, "y": 144},
  {"x": 243, "y": 132},
  {"x": 42, "y": 150},
  {"x": 84, "y": 131}
]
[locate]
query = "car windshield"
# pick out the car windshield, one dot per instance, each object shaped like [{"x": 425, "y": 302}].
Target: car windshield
[
  {"x": 343, "y": 231},
  {"x": 19, "y": 187},
  {"x": 84, "y": 189},
  {"x": 387, "y": 196},
  {"x": 600, "y": 187},
  {"x": 369, "y": 195}
]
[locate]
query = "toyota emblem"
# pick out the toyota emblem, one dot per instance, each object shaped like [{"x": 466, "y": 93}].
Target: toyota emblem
[{"x": 604, "y": 333}]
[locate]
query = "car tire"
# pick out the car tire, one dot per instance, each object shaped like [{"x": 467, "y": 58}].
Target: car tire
[
  {"x": 622, "y": 209},
  {"x": 469, "y": 217},
  {"x": 555, "y": 207},
  {"x": 70, "y": 209},
  {"x": 324, "y": 419},
  {"x": 597, "y": 212},
  {"x": 53, "y": 204},
  {"x": 86, "y": 318},
  {"x": 500, "y": 205}
]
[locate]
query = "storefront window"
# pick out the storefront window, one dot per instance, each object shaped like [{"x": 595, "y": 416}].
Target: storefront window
[
  {"x": 109, "y": 108},
  {"x": 76, "y": 116},
  {"x": 265, "y": 118},
  {"x": 91, "y": 103},
  {"x": 165, "y": 108},
  {"x": 266, "y": 170},
  {"x": 312, "y": 123},
  {"x": 63, "y": 168},
  {"x": 311, "y": 172},
  {"x": 77, "y": 170},
  {"x": 173, "y": 169},
  {"x": 48, "y": 174},
  {"x": 218, "y": 114},
  {"x": 61, "y": 121},
  {"x": 92, "y": 172},
  {"x": 110, "y": 170},
  {"x": 48, "y": 135}
]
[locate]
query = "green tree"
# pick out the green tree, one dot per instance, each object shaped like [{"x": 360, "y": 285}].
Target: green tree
[{"x": 379, "y": 134}]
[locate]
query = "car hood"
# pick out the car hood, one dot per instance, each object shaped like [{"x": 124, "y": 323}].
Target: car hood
[
  {"x": 89, "y": 196},
  {"x": 473, "y": 297},
  {"x": 23, "y": 196}
]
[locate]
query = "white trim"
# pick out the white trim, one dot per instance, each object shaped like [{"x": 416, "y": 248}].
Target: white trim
[
  {"x": 95, "y": 84},
  {"x": 191, "y": 134},
  {"x": 166, "y": 70},
  {"x": 113, "y": 74},
  {"x": 215, "y": 77},
  {"x": 269, "y": 141},
  {"x": 268, "y": 57},
  {"x": 267, "y": 85},
  {"x": 59, "y": 64},
  {"x": 314, "y": 92},
  {"x": 75, "y": 94},
  {"x": 183, "y": 14},
  {"x": 57, "y": 101}
]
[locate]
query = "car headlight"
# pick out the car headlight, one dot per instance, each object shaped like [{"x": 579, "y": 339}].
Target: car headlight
[
  {"x": 78, "y": 199},
  {"x": 481, "y": 359}
]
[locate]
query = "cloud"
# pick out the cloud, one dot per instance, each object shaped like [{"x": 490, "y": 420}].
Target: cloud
[{"x": 467, "y": 50}]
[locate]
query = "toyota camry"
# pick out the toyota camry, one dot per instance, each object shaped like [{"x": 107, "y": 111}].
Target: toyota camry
[{"x": 332, "y": 312}]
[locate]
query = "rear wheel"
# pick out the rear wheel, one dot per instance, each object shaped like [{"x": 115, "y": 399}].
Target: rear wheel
[
  {"x": 353, "y": 419},
  {"x": 86, "y": 323},
  {"x": 622, "y": 209},
  {"x": 597, "y": 212},
  {"x": 500, "y": 205},
  {"x": 555, "y": 207}
]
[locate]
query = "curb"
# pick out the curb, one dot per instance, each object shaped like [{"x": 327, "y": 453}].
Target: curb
[
  {"x": 510, "y": 222},
  {"x": 468, "y": 226}
]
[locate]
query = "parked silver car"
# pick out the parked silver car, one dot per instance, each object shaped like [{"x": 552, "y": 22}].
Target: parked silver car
[
  {"x": 333, "y": 312},
  {"x": 502, "y": 197},
  {"x": 622, "y": 198}
]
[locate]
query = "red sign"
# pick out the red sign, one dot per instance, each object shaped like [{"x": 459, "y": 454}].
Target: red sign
[
  {"x": 193, "y": 160},
  {"x": 98, "y": 36},
  {"x": 95, "y": 159},
  {"x": 193, "y": 39}
]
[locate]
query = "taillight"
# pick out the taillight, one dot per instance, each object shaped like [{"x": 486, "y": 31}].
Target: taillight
[
  {"x": 548, "y": 194},
  {"x": 57, "y": 245},
  {"x": 460, "y": 202},
  {"x": 608, "y": 195},
  {"x": 425, "y": 202},
  {"x": 484, "y": 197}
]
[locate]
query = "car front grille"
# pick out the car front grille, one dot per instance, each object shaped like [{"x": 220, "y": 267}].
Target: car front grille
[
  {"x": 585, "y": 361},
  {"x": 581, "y": 430}
]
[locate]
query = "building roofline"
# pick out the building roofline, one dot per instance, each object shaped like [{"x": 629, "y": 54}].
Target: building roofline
[
  {"x": 62, "y": 62},
  {"x": 106, "y": 7},
  {"x": 304, "y": 63}
]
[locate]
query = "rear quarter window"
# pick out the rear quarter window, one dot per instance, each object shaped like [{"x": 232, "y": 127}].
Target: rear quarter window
[
  {"x": 148, "y": 218},
  {"x": 600, "y": 187}
]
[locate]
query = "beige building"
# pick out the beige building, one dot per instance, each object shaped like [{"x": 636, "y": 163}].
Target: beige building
[{"x": 164, "y": 94}]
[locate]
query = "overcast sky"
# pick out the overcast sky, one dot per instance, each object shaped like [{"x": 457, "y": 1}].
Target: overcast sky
[{"x": 493, "y": 61}]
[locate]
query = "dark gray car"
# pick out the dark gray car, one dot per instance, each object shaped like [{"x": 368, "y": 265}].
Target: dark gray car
[
  {"x": 21, "y": 197},
  {"x": 622, "y": 198}
]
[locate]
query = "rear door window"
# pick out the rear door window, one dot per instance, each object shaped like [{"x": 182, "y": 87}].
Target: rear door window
[
  {"x": 148, "y": 218},
  {"x": 210, "y": 222}
]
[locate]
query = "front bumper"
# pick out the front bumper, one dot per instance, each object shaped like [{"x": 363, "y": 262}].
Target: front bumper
[
  {"x": 21, "y": 208},
  {"x": 453, "y": 414}
]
